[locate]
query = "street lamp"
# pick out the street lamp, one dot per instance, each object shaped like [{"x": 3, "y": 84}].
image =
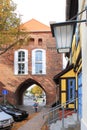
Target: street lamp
[{"x": 63, "y": 33}]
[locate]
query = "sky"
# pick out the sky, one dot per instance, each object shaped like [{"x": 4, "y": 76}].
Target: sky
[{"x": 45, "y": 11}]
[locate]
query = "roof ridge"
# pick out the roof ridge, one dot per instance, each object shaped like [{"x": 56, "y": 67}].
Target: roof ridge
[{"x": 34, "y": 25}]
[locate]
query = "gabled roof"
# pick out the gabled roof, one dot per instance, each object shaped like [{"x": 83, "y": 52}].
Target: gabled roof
[
  {"x": 57, "y": 77},
  {"x": 34, "y": 26}
]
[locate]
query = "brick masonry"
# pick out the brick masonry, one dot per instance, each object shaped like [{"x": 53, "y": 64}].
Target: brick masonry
[{"x": 16, "y": 85}]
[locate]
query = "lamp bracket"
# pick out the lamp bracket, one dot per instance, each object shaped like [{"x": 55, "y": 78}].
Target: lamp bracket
[{"x": 79, "y": 14}]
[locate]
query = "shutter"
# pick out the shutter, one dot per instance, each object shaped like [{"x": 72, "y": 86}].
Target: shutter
[
  {"x": 44, "y": 62},
  {"x": 26, "y": 61},
  {"x": 33, "y": 62},
  {"x": 16, "y": 62}
]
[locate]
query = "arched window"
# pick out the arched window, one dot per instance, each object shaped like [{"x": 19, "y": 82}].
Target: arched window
[
  {"x": 21, "y": 62},
  {"x": 38, "y": 61}
]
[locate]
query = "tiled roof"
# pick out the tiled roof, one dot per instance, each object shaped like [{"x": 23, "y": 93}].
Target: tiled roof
[
  {"x": 57, "y": 77},
  {"x": 35, "y": 26}
]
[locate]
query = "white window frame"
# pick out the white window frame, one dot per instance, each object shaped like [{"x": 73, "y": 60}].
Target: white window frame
[
  {"x": 43, "y": 62},
  {"x": 16, "y": 62}
]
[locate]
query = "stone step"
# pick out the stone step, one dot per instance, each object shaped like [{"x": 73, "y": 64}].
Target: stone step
[
  {"x": 74, "y": 116},
  {"x": 56, "y": 126},
  {"x": 69, "y": 123}
]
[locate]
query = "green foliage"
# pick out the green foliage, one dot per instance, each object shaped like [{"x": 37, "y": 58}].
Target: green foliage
[
  {"x": 9, "y": 22},
  {"x": 36, "y": 90}
]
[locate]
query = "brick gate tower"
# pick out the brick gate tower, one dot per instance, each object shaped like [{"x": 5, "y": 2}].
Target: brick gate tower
[{"x": 34, "y": 63}]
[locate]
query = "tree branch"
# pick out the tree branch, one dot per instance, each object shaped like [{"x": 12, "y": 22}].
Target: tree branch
[{"x": 12, "y": 45}]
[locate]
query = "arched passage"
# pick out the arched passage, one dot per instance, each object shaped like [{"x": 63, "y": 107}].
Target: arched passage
[{"x": 21, "y": 89}]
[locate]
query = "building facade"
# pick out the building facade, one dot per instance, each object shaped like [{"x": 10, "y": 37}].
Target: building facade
[
  {"x": 72, "y": 81},
  {"x": 78, "y": 58},
  {"x": 33, "y": 63}
]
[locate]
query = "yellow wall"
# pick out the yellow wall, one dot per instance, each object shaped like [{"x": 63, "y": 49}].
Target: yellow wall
[
  {"x": 71, "y": 106},
  {"x": 63, "y": 97},
  {"x": 70, "y": 73},
  {"x": 75, "y": 50},
  {"x": 63, "y": 91},
  {"x": 63, "y": 88},
  {"x": 63, "y": 85}
]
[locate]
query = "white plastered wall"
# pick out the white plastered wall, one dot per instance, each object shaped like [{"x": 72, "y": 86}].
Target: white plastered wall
[{"x": 84, "y": 66}]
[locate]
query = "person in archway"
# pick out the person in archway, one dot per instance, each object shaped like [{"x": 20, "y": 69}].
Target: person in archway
[{"x": 35, "y": 106}]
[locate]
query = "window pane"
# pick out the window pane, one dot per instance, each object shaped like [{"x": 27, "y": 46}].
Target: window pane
[
  {"x": 21, "y": 56},
  {"x": 71, "y": 83},
  {"x": 38, "y": 61},
  {"x": 38, "y": 68},
  {"x": 21, "y": 68},
  {"x": 71, "y": 93},
  {"x": 38, "y": 56}
]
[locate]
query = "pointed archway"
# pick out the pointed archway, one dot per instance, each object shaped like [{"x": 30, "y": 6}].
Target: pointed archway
[{"x": 21, "y": 89}]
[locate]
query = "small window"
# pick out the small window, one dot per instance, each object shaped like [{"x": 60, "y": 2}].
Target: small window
[
  {"x": 31, "y": 41},
  {"x": 40, "y": 42}
]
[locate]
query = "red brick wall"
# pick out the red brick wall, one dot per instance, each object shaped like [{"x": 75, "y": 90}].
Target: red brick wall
[{"x": 53, "y": 66}]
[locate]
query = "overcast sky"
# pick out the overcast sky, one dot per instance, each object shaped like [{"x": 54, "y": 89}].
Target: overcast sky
[{"x": 44, "y": 11}]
